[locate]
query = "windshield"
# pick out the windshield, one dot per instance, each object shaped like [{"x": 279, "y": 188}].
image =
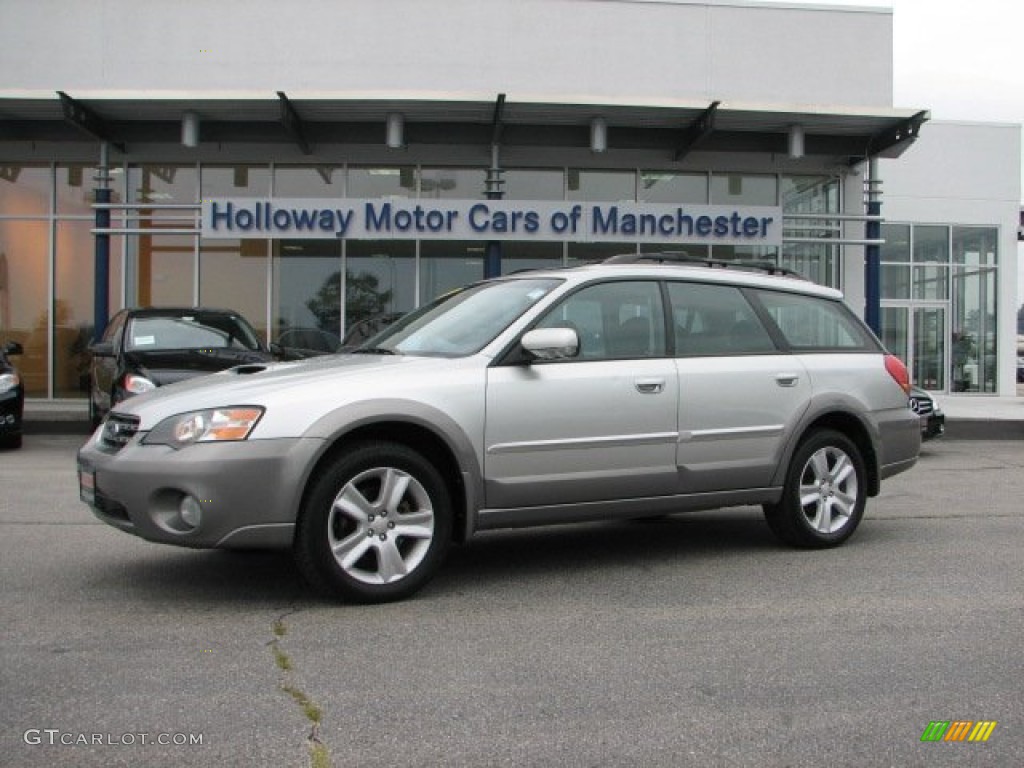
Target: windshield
[
  {"x": 464, "y": 321},
  {"x": 195, "y": 331}
]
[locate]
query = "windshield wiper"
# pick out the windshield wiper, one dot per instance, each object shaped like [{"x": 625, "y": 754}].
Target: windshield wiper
[{"x": 374, "y": 351}]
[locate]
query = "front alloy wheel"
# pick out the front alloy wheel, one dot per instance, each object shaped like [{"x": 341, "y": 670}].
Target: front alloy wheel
[
  {"x": 376, "y": 524},
  {"x": 824, "y": 495}
]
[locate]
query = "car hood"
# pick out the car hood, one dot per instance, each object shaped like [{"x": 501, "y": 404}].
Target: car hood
[
  {"x": 168, "y": 366},
  {"x": 296, "y": 394}
]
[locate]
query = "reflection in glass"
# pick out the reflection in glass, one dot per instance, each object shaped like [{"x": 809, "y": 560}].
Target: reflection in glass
[
  {"x": 818, "y": 262},
  {"x": 929, "y": 347},
  {"x": 974, "y": 246},
  {"x": 744, "y": 189},
  {"x": 671, "y": 188},
  {"x": 931, "y": 243},
  {"x": 73, "y": 316},
  {"x": 309, "y": 181},
  {"x": 24, "y": 189},
  {"x": 303, "y": 302},
  {"x": 24, "y": 274},
  {"x": 591, "y": 253},
  {"x": 453, "y": 183},
  {"x": 517, "y": 256},
  {"x": 448, "y": 264},
  {"x": 238, "y": 180},
  {"x": 895, "y": 281},
  {"x": 233, "y": 275},
  {"x": 380, "y": 278},
  {"x": 399, "y": 181},
  {"x": 534, "y": 185},
  {"x": 601, "y": 186},
  {"x": 76, "y": 185},
  {"x": 895, "y": 332},
  {"x": 974, "y": 336},
  {"x": 897, "y": 242}
]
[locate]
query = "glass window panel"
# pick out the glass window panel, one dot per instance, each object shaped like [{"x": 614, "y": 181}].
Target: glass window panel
[
  {"x": 534, "y": 185},
  {"x": 398, "y": 181},
  {"x": 24, "y": 276},
  {"x": 614, "y": 320},
  {"x": 897, "y": 242},
  {"x": 744, "y": 189},
  {"x": 670, "y": 187},
  {"x": 931, "y": 282},
  {"x": 818, "y": 263},
  {"x": 810, "y": 194},
  {"x": 76, "y": 188},
  {"x": 309, "y": 181},
  {"x": 380, "y": 279},
  {"x": 974, "y": 332},
  {"x": 163, "y": 267},
  {"x": 931, "y": 243},
  {"x": 601, "y": 186},
  {"x": 517, "y": 256},
  {"x": 895, "y": 281},
  {"x": 24, "y": 189},
  {"x": 235, "y": 180},
  {"x": 589, "y": 253},
  {"x": 715, "y": 320},
  {"x": 73, "y": 316},
  {"x": 177, "y": 184},
  {"x": 767, "y": 253},
  {"x": 453, "y": 183},
  {"x": 233, "y": 275},
  {"x": 306, "y": 302},
  {"x": 896, "y": 331},
  {"x": 929, "y": 347},
  {"x": 974, "y": 246},
  {"x": 683, "y": 251},
  {"x": 810, "y": 323},
  {"x": 448, "y": 264}
]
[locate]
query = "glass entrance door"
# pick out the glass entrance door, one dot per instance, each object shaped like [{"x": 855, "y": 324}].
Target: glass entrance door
[{"x": 917, "y": 334}]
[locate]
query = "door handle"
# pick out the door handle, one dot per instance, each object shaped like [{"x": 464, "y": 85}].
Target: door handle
[
  {"x": 649, "y": 386},
  {"x": 787, "y": 379}
]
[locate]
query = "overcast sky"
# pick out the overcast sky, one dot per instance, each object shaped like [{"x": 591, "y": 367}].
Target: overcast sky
[{"x": 959, "y": 59}]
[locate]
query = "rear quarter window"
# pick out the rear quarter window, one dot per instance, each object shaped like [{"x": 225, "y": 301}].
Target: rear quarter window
[{"x": 815, "y": 324}]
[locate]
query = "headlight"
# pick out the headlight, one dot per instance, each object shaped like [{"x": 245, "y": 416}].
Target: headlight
[
  {"x": 138, "y": 384},
  {"x": 8, "y": 381},
  {"x": 210, "y": 426}
]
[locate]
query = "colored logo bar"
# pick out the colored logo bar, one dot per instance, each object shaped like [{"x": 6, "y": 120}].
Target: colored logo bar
[{"x": 959, "y": 730}]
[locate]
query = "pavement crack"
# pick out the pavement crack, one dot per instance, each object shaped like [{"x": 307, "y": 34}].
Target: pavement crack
[{"x": 319, "y": 755}]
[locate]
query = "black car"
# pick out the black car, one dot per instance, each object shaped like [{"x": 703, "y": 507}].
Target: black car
[
  {"x": 933, "y": 420},
  {"x": 12, "y": 398},
  {"x": 146, "y": 348}
]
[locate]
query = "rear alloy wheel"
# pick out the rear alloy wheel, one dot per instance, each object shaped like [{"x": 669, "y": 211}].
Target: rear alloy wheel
[
  {"x": 824, "y": 495},
  {"x": 376, "y": 524}
]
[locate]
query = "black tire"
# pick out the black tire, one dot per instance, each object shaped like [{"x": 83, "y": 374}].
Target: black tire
[
  {"x": 11, "y": 442},
  {"x": 387, "y": 548},
  {"x": 830, "y": 470}
]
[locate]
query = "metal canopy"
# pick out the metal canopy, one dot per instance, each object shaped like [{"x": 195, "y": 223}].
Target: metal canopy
[{"x": 677, "y": 127}]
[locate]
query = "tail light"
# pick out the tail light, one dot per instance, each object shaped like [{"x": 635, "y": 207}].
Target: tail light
[{"x": 898, "y": 371}]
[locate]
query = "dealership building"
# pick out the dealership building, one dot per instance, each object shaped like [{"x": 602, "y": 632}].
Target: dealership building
[{"x": 318, "y": 163}]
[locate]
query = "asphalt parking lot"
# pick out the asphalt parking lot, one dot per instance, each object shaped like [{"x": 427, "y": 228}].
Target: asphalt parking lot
[{"x": 689, "y": 640}]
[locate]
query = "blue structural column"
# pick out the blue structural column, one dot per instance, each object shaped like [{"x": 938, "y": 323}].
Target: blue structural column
[
  {"x": 872, "y": 253},
  {"x": 492, "y": 254},
  {"x": 101, "y": 287}
]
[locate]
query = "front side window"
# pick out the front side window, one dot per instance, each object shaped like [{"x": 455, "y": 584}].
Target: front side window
[
  {"x": 811, "y": 323},
  {"x": 613, "y": 320}
]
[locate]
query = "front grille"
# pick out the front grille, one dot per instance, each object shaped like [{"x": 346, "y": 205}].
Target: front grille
[
  {"x": 118, "y": 430},
  {"x": 921, "y": 406}
]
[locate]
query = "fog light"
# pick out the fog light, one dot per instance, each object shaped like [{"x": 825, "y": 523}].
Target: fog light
[{"x": 191, "y": 512}]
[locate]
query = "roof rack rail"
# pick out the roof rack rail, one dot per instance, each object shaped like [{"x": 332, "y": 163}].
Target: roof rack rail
[{"x": 681, "y": 257}]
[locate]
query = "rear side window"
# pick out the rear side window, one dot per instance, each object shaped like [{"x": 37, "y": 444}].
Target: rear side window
[
  {"x": 811, "y": 323},
  {"x": 715, "y": 320}
]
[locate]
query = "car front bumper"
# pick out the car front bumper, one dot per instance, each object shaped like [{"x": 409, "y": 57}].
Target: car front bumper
[
  {"x": 248, "y": 492},
  {"x": 11, "y": 406}
]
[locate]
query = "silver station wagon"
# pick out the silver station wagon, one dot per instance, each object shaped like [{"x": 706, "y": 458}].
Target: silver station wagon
[{"x": 615, "y": 390}]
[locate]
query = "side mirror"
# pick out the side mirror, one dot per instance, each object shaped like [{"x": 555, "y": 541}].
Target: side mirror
[
  {"x": 13, "y": 348},
  {"x": 551, "y": 343},
  {"x": 102, "y": 349},
  {"x": 276, "y": 349}
]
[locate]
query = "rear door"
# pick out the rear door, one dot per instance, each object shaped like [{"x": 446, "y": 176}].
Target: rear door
[{"x": 739, "y": 395}]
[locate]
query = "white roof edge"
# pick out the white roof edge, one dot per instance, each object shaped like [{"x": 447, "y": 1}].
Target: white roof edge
[{"x": 460, "y": 96}]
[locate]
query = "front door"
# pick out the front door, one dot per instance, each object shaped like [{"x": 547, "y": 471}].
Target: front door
[{"x": 601, "y": 425}]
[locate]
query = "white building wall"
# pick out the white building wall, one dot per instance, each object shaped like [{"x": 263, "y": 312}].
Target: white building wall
[
  {"x": 612, "y": 50},
  {"x": 966, "y": 173}
]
